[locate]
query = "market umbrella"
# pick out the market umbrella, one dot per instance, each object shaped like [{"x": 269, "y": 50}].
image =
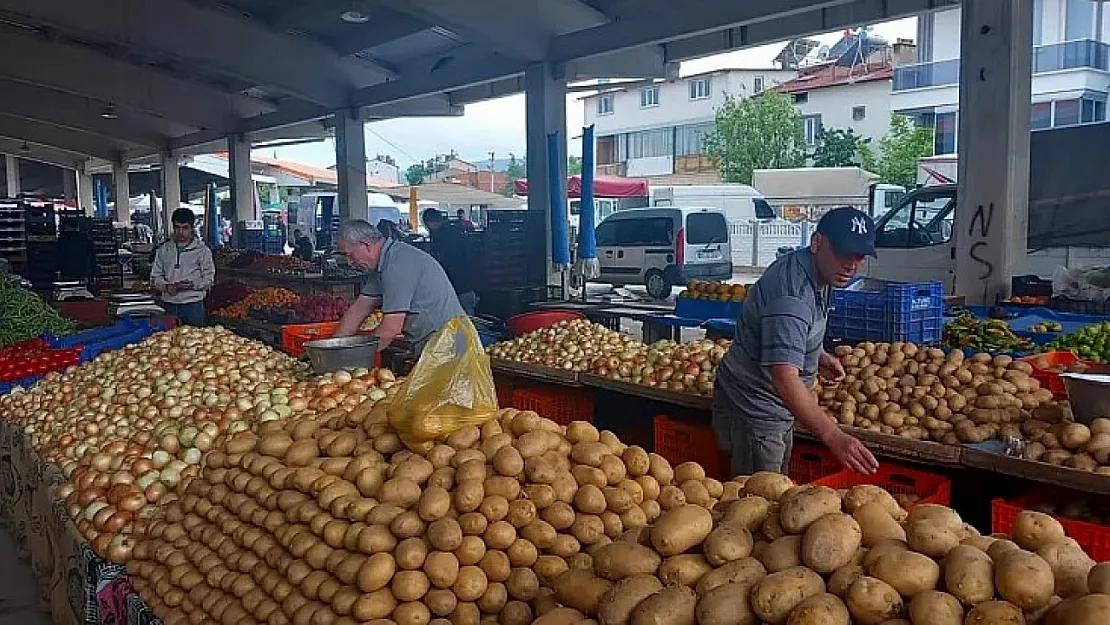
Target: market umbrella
[
  {"x": 560, "y": 246},
  {"x": 101, "y": 199},
  {"x": 586, "y": 262}
]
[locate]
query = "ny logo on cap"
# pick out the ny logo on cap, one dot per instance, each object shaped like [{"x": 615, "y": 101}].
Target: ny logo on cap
[{"x": 859, "y": 225}]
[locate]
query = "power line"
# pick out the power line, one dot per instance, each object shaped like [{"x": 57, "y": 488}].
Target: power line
[{"x": 392, "y": 145}]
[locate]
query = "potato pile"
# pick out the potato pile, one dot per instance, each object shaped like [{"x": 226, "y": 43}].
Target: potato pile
[
  {"x": 772, "y": 552},
  {"x": 1056, "y": 439},
  {"x": 569, "y": 345},
  {"x": 923, "y": 394},
  {"x": 332, "y": 520}
]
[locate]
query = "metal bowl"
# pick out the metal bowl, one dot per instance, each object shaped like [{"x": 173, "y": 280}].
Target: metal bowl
[
  {"x": 1089, "y": 395},
  {"x": 350, "y": 352}
]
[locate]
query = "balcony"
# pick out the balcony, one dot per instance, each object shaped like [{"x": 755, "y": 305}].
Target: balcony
[{"x": 1080, "y": 54}]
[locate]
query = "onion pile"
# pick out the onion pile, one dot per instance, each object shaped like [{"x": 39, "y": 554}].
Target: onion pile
[
  {"x": 568, "y": 345},
  {"x": 332, "y": 520},
  {"x": 681, "y": 367}
]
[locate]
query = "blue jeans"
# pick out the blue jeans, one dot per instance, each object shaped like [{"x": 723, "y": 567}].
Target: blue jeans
[{"x": 191, "y": 314}]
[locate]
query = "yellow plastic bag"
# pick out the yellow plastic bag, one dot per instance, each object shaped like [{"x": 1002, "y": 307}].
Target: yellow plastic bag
[{"x": 450, "y": 387}]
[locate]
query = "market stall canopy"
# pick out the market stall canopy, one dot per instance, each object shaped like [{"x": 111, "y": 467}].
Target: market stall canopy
[{"x": 604, "y": 187}]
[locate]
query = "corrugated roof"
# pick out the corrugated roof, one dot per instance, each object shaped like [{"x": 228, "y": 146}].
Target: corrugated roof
[
  {"x": 835, "y": 75},
  {"x": 310, "y": 173},
  {"x": 455, "y": 195}
]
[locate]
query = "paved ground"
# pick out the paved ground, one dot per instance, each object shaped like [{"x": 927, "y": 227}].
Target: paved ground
[{"x": 19, "y": 592}]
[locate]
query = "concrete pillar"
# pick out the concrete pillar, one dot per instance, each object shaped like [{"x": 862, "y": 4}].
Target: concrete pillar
[
  {"x": 993, "y": 136},
  {"x": 85, "y": 194},
  {"x": 11, "y": 170},
  {"x": 242, "y": 185},
  {"x": 121, "y": 193},
  {"x": 545, "y": 112},
  {"x": 171, "y": 189},
  {"x": 69, "y": 185},
  {"x": 350, "y": 164}
]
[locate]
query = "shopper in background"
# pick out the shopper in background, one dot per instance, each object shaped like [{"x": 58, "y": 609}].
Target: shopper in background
[
  {"x": 765, "y": 382},
  {"x": 464, "y": 222},
  {"x": 183, "y": 270},
  {"x": 408, "y": 285},
  {"x": 302, "y": 245},
  {"x": 448, "y": 246}
]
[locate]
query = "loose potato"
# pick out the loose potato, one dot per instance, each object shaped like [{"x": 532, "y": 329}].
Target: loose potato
[
  {"x": 622, "y": 559},
  {"x": 798, "y": 511},
  {"x": 877, "y": 525},
  {"x": 727, "y": 543},
  {"x": 557, "y": 616},
  {"x": 674, "y": 605},
  {"x": 823, "y": 609},
  {"x": 908, "y": 572},
  {"x": 775, "y": 596},
  {"x": 933, "y": 607},
  {"x": 748, "y": 512},
  {"x": 1092, "y": 609},
  {"x": 932, "y": 538},
  {"x": 969, "y": 575},
  {"x": 617, "y": 604},
  {"x": 831, "y": 542},
  {"x": 680, "y": 529},
  {"x": 742, "y": 571},
  {"x": 1032, "y": 530},
  {"x": 726, "y": 604},
  {"x": 1098, "y": 579},
  {"x": 843, "y": 578},
  {"x": 685, "y": 569},
  {"x": 872, "y": 601},
  {"x": 782, "y": 554},
  {"x": 767, "y": 485},
  {"x": 1024, "y": 579},
  {"x": 863, "y": 494},
  {"x": 1070, "y": 567},
  {"x": 995, "y": 613},
  {"x": 581, "y": 590},
  {"x": 883, "y": 546}
]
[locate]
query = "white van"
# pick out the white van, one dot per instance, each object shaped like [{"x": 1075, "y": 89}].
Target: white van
[
  {"x": 739, "y": 202},
  {"x": 663, "y": 247}
]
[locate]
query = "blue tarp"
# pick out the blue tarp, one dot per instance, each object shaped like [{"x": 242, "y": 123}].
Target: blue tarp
[
  {"x": 560, "y": 246},
  {"x": 587, "y": 244}
]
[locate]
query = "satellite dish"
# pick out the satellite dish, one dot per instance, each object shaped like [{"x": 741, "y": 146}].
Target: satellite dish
[{"x": 823, "y": 53}]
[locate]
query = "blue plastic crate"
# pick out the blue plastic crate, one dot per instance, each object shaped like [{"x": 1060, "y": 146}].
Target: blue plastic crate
[
  {"x": 703, "y": 309},
  {"x": 877, "y": 310},
  {"x": 93, "y": 350},
  {"x": 119, "y": 328}
]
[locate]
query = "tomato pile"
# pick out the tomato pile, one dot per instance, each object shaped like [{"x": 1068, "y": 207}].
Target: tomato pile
[{"x": 34, "y": 358}]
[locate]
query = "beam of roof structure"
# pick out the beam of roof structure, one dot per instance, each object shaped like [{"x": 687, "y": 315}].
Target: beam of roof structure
[
  {"x": 646, "y": 22},
  {"x": 801, "y": 25},
  {"x": 41, "y": 154},
  {"x": 487, "y": 90},
  {"x": 60, "y": 138},
  {"x": 84, "y": 72},
  {"x": 216, "y": 39},
  {"x": 647, "y": 62},
  {"x": 435, "y": 105},
  {"x": 68, "y": 111},
  {"x": 373, "y": 33}
]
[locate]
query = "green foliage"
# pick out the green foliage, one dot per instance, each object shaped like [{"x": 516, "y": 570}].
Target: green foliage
[
  {"x": 574, "y": 165},
  {"x": 838, "y": 148},
  {"x": 517, "y": 168},
  {"x": 899, "y": 150},
  {"x": 764, "y": 132},
  {"x": 414, "y": 175}
]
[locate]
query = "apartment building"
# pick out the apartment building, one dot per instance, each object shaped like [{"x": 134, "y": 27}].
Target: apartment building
[
  {"x": 658, "y": 128},
  {"x": 1071, "y": 69}
]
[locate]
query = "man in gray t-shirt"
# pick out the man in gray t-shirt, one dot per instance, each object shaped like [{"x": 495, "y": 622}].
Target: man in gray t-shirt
[
  {"x": 766, "y": 379},
  {"x": 407, "y": 284}
]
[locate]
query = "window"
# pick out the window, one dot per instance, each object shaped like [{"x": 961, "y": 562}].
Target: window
[
  {"x": 763, "y": 210},
  {"x": 648, "y": 143},
  {"x": 605, "y": 105},
  {"x": 1038, "y": 22},
  {"x": 706, "y": 228},
  {"x": 1041, "y": 116},
  {"x": 757, "y": 84},
  {"x": 924, "y": 222},
  {"x": 700, "y": 89},
  {"x": 944, "y": 138},
  {"x": 801, "y": 98},
  {"x": 859, "y": 113},
  {"x": 690, "y": 140},
  {"x": 1066, "y": 112},
  {"x": 649, "y": 96},
  {"x": 1079, "y": 20},
  {"x": 628, "y": 232},
  {"x": 812, "y": 125},
  {"x": 606, "y": 234}
]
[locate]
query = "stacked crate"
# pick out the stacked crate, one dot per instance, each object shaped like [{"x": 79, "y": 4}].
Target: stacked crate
[{"x": 109, "y": 273}]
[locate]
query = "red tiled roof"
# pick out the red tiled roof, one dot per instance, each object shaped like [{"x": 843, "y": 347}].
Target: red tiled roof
[
  {"x": 311, "y": 173},
  {"x": 834, "y": 75}
]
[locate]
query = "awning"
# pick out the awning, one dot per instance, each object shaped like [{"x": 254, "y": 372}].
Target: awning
[{"x": 604, "y": 187}]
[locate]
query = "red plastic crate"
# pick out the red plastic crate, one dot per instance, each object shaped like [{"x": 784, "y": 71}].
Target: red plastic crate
[
  {"x": 293, "y": 337},
  {"x": 1092, "y": 537},
  {"x": 898, "y": 480},
  {"x": 503, "y": 384},
  {"x": 1050, "y": 379},
  {"x": 682, "y": 441},
  {"x": 811, "y": 461},
  {"x": 561, "y": 405}
]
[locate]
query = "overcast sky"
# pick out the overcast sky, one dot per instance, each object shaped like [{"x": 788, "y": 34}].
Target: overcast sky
[{"x": 498, "y": 125}]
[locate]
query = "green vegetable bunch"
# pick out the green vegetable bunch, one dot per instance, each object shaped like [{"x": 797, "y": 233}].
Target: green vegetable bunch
[
  {"x": 990, "y": 335},
  {"x": 1090, "y": 343},
  {"x": 24, "y": 315}
]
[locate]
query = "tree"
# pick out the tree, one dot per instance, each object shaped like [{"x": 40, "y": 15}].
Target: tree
[
  {"x": 837, "y": 148},
  {"x": 574, "y": 165},
  {"x": 517, "y": 168},
  {"x": 899, "y": 150},
  {"x": 414, "y": 175},
  {"x": 763, "y": 132}
]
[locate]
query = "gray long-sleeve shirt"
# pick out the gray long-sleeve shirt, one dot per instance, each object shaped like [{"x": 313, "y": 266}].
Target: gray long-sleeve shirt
[{"x": 193, "y": 263}]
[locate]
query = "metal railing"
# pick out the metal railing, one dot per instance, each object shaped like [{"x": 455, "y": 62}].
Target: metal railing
[{"x": 1082, "y": 53}]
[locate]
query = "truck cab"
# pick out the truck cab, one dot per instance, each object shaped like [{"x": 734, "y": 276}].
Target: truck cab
[{"x": 915, "y": 240}]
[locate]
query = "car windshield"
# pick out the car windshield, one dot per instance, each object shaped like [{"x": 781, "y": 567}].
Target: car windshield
[{"x": 706, "y": 228}]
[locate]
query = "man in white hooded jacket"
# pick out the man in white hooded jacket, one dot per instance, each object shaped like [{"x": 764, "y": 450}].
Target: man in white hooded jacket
[{"x": 183, "y": 270}]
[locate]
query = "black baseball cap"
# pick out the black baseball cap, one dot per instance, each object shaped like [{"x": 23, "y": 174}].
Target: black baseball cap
[{"x": 851, "y": 231}]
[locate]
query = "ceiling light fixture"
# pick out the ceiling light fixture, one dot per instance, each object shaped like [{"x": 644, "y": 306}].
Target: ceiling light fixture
[
  {"x": 109, "y": 112},
  {"x": 354, "y": 17},
  {"x": 24, "y": 147}
]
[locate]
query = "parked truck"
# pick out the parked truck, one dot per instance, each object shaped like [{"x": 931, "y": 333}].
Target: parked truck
[
  {"x": 805, "y": 194},
  {"x": 1069, "y": 212}
]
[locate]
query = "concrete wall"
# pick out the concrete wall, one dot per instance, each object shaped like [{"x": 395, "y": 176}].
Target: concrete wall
[{"x": 835, "y": 104}]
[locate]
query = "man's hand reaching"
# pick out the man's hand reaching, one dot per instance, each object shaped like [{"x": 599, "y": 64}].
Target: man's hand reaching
[
  {"x": 829, "y": 367},
  {"x": 851, "y": 452}
]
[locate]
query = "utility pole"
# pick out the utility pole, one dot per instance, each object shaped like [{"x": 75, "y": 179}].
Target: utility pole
[{"x": 491, "y": 165}]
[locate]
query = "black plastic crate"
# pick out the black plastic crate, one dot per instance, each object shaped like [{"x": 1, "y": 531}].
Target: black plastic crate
[{"x": 1030, "y": 286}]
